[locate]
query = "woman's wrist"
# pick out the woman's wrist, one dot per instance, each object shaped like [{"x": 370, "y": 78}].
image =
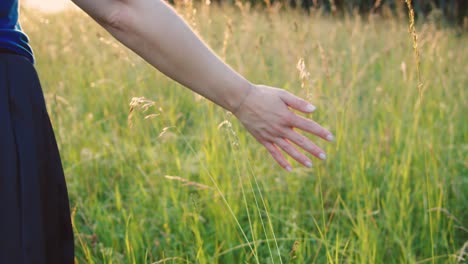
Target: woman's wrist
[
  {"x": 246, "y": 93},
  {"x": 234, "y": 95}
]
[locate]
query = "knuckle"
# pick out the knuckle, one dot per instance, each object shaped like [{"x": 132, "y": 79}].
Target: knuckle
[
  {"x": 270, "y": 137},
  {"x": 274, "y": 154},
  {"x": 301, "y": 141},
  {"x": 304, "y": 102},
  {"x": 300, "y": 123},
  {"x": 297, "y": 157},
  {"x": 301, "y": 101},
  {"x": 315, "y": 128},
  {"x": 280, "y": 160},
  {"x": 290, "y": 150},
  {"x": 277, "y": 129},
  {"x": 281, "y": 143},
  {"x": 283, "y": 93},
  {"x": 307, "y": 145},
  {"x": 270, "y": 148},
  {"x": 311, "y": 148},
  {"x": 314, "y": 150},
  {"x": 289, "y": 118},
  {"x": 265, "y": 134}
]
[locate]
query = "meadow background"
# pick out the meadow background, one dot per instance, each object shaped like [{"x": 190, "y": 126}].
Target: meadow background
[{"x": 177, "y": 179}]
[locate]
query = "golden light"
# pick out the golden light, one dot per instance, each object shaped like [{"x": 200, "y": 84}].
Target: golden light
[{"x": 47, "y": 5}]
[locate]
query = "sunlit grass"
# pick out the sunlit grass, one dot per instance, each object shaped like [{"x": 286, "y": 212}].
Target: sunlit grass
[{"x": 392, "y": 191}]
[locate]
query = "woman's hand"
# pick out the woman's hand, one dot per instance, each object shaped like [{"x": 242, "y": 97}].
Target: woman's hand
[{"x": 266, "y": 115}]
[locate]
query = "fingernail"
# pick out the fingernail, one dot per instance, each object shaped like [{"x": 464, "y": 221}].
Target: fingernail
[
  {"x": 308, "y": 164},
  {"x": 322, "y": 156},
  {"x": 330, "y": 138},
  {"x": 288, "y": 168},
  {"x": 310, "y": 108}
]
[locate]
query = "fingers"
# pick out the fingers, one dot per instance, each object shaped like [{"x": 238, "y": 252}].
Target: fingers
[
  {"x": 301, "y": 122},
  {"x": 306, "y": 144},
  {"x": 311, "y": 127},
  {"x": 297, "y": 102},
  {"x": 272, "y": 124},
  {"x": 277, "y": 155},
  {"x": 285, "y": 145},
  {"x": 293, "y": 152}
]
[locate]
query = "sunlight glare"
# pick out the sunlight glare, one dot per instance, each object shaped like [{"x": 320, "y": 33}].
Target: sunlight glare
[{"x": 47, "y": 5}]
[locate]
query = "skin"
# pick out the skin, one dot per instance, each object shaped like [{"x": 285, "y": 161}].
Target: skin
[{"x": 153, "y": 30}]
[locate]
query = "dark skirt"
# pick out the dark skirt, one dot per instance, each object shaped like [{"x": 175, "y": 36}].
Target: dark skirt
[{"x": 35, "y": 224}]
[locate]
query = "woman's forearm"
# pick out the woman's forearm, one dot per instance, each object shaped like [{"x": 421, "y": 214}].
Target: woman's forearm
[{"x": 155, "y": 32}]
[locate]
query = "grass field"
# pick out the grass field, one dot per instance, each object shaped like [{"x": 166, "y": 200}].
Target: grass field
[{"x": 186, "y": 184}]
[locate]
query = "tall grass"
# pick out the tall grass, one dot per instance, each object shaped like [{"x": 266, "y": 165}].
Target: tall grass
[{"x": 186, "y": 184}]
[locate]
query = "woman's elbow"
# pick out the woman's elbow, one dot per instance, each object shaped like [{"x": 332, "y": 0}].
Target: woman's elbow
[{"x": 109, "y": 13}]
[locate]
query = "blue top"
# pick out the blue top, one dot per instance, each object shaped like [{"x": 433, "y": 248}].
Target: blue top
[{"x": 12, "y": 38}]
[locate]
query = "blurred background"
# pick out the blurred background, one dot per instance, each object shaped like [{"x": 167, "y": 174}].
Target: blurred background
[
  {"x": 453, "y": 11},
  {"x": 48, "y": 5}
]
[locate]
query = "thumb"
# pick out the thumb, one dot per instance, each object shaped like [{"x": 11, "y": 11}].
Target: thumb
[{"x": 297, "y": 103}]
